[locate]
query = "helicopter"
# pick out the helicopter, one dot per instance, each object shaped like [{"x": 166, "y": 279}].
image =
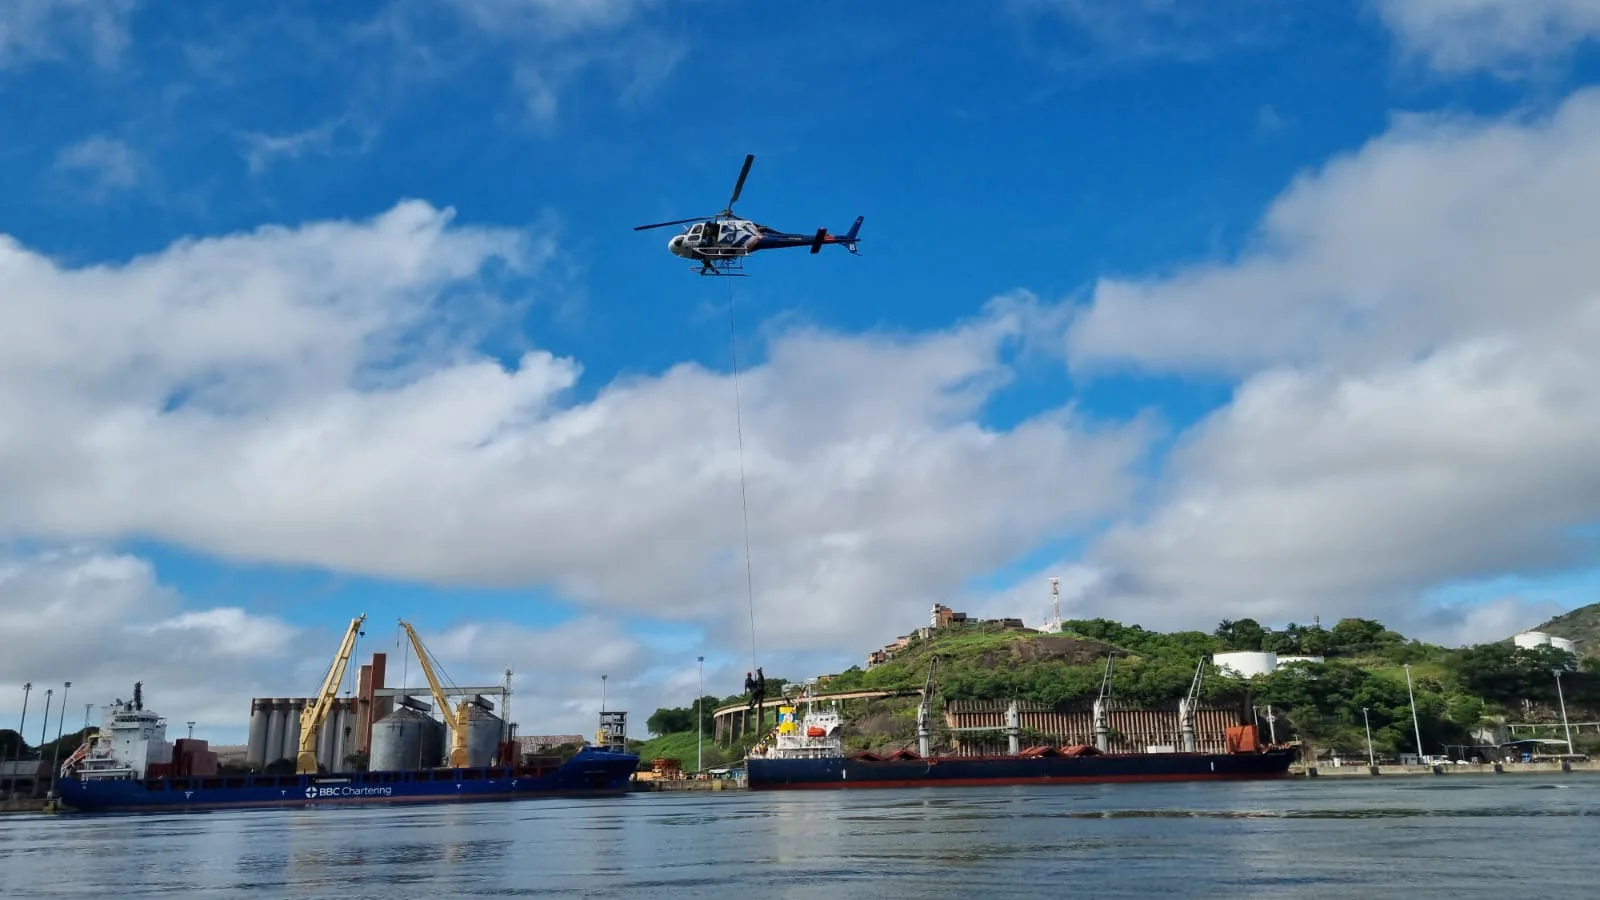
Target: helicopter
[{"x": 721, "y": 242}]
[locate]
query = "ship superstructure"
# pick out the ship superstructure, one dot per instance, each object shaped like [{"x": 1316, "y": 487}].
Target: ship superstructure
[{"x": 131, "y": 740}]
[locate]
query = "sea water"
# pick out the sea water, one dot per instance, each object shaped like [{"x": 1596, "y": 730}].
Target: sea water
[{"x": 1457, "y": 836}]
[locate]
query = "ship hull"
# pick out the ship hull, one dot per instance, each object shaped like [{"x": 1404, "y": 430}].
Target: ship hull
[
  {"x": 844, "y": 772},
  {"x": 591, "y": 773}
]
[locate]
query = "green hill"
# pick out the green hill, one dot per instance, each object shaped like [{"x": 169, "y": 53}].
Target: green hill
[
  {"x": 1581, "y": 626},
  {"x": 1458, "y": 691}
]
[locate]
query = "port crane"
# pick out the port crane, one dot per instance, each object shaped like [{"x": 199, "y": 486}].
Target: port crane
[
  {"x": 316, "y": 712},
  {"x": 925, "y": 711},
  {"x": 457, "y": 717}
]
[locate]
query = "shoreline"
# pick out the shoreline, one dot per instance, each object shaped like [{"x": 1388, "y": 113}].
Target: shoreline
[
  {"x": 25, "y": 805},
  {"x": 1300, "y": 770}
]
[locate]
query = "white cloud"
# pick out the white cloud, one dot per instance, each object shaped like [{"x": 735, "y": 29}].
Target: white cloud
[
  {"x": 1141, "y": 30},
  {"x": 37, "y": 30},
  {"x": 555, "y": 42},
  {"x": 261, "y": 150},
  {"x": 549, "y": 19},
  {"x": 1506, "y": 36},
  {"x": 1415, "y": 336},
  {"x": 270, "y": 396},
  {"x": 108, "y": 164},
  {"x": 1440, "y": 230},
  {"x": 102, "y": 621}
]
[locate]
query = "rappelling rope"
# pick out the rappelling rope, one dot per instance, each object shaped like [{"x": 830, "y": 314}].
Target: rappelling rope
[{"x": 744, "y": 501}]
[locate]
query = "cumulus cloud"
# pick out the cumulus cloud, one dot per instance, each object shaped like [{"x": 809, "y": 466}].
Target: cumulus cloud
[
  {"x": 37, "y": 30},
  {"x": 1440, "y": 230},
  {"x": 1415, "y": 337},
  {"x": 293, "y": 396},
  {"x": 103, "y": 620},
  {"x": 1505, "y": 36}
]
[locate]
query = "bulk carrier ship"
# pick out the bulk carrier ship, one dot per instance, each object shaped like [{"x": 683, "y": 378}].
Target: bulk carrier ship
[
  {"x": 809, "y": 753},
  {"x": 129, "y": 765}
]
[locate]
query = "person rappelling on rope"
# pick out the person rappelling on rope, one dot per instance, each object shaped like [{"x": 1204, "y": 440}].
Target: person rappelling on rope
[{"x": 756, "y": 687}]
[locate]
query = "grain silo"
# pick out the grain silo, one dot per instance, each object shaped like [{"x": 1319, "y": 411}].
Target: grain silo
[
  {"x": 485, "y": 731},
  {"x": 406, "y": 740}
]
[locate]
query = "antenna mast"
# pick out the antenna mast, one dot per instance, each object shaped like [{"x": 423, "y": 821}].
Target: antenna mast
[{"x": 1055, "y": 598}]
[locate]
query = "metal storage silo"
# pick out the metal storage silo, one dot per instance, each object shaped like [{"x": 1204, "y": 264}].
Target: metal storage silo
[
  {"x": 406, "y": 740},
  {"x": 256, "y": 750},
  {"x": 484, "y": 732}
]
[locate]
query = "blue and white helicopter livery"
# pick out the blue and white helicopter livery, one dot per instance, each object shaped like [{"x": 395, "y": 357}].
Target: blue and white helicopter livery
[{"x": 720, "y": 242}]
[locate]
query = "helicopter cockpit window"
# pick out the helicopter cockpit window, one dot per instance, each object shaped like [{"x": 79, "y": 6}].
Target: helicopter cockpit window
[{"x": 695, "y": 232}]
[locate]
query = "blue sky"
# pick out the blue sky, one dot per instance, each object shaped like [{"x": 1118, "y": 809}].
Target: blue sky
[{"x": 1111, "y": 280}]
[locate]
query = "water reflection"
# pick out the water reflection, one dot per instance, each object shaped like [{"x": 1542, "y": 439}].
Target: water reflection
[{"x": 1355, "y": 839}]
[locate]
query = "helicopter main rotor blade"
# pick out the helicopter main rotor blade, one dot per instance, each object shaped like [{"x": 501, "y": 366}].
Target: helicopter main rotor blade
[
  {"x": 674, "y": 222},
  {"x": 739, "y": 185}
]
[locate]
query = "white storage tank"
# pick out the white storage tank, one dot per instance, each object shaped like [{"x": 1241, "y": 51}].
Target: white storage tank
[
  {"x": 1246, "y": 663},
  {"x": 1529, "y": 640},
  {"x": 406, "y": 740},
  {"x": 1285, "y": 660}
]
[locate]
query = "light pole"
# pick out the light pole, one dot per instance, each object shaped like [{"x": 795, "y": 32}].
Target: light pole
[
  {"x": 699, "y": 720},
  {"x": 1416, "y": 727},
  {"x": 1562, "y": 698},
  {"x": 602, "y": 695},
  {"x": 26, "y": 690},
  {"x": 191, "y": 729},
  {"x": 55, "y": 756},
  {"x": 1371, "y": 763},
  {"x": 44, "y": 728}
]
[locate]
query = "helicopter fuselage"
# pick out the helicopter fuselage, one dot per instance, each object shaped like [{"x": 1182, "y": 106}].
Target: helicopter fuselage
[{"x": 733, "y": 237}]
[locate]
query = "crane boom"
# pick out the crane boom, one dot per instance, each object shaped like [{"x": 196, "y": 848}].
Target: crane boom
[
  {"x": 456, "y": 717},
  {"x": 316, "y": 712}
]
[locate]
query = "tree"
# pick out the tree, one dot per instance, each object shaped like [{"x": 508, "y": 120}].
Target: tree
[
  {"x": 1243, "y": 634},
  {"x": 670, "y": 721}
]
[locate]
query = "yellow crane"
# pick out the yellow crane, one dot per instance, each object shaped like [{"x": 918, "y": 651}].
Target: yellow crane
[
  {"x": 316, "y": 711},
  {"x": 456, "y": 718}
]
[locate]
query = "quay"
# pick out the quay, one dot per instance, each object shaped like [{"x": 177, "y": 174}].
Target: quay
[
  {"x": 1446, "y": 769},
  {"x": 24, "y": 805},
  {"x": 651, "y": 785}
]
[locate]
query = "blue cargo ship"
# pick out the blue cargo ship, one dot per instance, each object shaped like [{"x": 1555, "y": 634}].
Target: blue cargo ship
[{"x": 128, "y": 766}]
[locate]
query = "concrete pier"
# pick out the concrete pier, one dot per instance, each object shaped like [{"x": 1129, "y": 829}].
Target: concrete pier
[
  {"x": 1446, "y": 769},
  {"x": 651, "y": 785}
]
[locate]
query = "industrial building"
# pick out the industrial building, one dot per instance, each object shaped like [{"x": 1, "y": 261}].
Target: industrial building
[{"x": 389, "y": 726}]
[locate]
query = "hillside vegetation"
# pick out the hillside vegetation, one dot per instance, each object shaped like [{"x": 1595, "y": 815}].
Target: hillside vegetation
[
  {"x": 1457, "y": 691},
  {"x": 1581, "y": 626}
]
